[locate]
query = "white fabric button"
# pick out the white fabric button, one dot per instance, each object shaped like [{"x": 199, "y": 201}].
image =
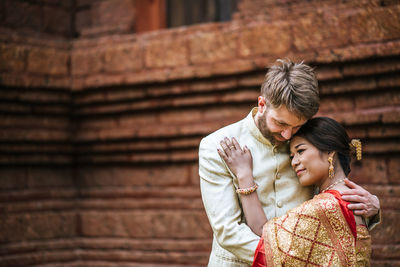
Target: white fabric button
[{"x": 279, "y": 204}]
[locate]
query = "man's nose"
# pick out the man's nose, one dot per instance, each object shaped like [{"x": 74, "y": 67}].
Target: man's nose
[{"x": 287, "y": 134}]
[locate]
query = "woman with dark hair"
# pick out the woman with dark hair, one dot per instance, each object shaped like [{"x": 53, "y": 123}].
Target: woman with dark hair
[{"x": 321, "y": 231}]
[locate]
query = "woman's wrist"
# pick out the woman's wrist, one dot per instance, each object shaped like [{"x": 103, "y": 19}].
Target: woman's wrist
[{"x": 245, "y": 180}]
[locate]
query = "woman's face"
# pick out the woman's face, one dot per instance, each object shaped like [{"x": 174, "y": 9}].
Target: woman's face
[{"x": 310, "y": 165}]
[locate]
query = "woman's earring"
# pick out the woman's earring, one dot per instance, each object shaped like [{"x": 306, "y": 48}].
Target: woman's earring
[{"x": 331, "y": 172}]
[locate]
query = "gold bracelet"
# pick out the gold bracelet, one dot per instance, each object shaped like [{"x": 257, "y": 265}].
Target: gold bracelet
[{"x": 247, "y": 191}]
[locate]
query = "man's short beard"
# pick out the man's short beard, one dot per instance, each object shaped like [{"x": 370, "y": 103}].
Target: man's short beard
[{"x": 263, "y": 127}]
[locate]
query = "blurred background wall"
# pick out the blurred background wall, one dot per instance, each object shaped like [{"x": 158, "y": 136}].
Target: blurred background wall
[{"x": 103, "y": 104}]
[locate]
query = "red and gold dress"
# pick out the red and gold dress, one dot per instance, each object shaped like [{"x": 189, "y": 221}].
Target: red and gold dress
[{"x": 320, "y": 232}]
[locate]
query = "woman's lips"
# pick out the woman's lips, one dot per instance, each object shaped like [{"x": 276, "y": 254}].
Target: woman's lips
[{"x": 298, "y": 172}]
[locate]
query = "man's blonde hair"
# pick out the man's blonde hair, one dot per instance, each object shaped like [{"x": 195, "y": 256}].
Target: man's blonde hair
[{"x": 293, "y": 85}]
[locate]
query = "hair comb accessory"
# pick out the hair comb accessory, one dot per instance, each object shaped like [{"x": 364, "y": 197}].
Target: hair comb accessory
[{"x": 357, "y": 144}]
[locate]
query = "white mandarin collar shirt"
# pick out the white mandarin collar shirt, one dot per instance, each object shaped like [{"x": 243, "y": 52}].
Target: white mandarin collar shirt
[{"x": 279, "y": 190}]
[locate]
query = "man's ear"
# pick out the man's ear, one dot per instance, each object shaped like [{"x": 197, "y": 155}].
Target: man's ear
[{"x": 261, "y": 104}]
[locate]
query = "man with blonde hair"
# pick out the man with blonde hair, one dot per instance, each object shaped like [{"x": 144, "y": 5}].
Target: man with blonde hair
[{"x": 289, "y": 97}]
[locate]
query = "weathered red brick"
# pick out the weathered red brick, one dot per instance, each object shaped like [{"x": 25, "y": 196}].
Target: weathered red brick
[
  {"x": 180, "y": 73},
  {"x": 319, "y": 30},
  {"x": 375, "y": 24},
  {"x": 148, "y": 76},
  {"x": 380, "y": 99},
  {"x": 143, "y": 258},
  {"x": 329, "y": 104},
  {"x": 328, "y": 73},
  {"x": 386, "y": 252},
  {"x": 111, "y": 95},
  {"x": 83, "y": 19},
  {"x": 356, "y": 84},
  {"x": 394, "y": 170},
  {"x": 232, "y": 67},
  {"x": 123, "y": 58},
  {"x": 13, "y": 179},
  {"x": 252, "y": 80},
  {"x": 48, "y": 61},
  {"x": 386, "y": 233},
  {"x": 179, "y": 117},
  {"x": 43, "y": 225},
  {"x": 194, "y": 174},
  {"x": 227, "y": 114},
  {"x": 23, "y": 14},
  {"x": 185, "y": 155},
  {"x": 145, "y": 224},
  {"x": 117, "y": 15},
  {"x": 35, "y": 257},
  {"x": 212, "y": 46},
  {"x": 370, "y": 171},
  {"x": 87, "y": 61},
  {"x": 33, "y": 80},
  {"x": 388, "y": 146},
  {"x": 57, "y": 20},
  {"x": 12, "y": 57},
  {"x": 98, "y": 80},
  {"x": 202, "y": 71},
  {"x": 168, "y": 90},
  {"x": 168, "y": 51},
  {"x": 140, "y": 204},
  {"x": 29, "y": 121},
  {"x": 34, "y": 134},
  {"x": 142, "y": 244},
  {"x": 50, "y": 178},
  {"x": 270, "y": 39},
  {"x": 392, "y": 115},
  {"x": 382, "y": 66},
  {"x": 389, "y": 81},
  {"x": 383, "y": 131},
  {"x": 124, "y": 176}
]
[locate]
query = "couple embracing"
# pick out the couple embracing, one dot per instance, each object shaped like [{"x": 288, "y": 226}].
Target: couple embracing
[{"x": 274, "y": 185}]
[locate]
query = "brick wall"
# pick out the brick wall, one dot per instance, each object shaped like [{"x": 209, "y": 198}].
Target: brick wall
[
  {"x": 100, "y": 133},
  {"x": 40, "y": 18}
]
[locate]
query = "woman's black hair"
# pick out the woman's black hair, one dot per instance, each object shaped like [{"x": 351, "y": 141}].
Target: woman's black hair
[{"x": 328, "y": 135}]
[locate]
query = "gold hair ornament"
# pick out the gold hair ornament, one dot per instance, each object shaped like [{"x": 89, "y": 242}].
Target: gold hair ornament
[{"x": 357, "y": 144}]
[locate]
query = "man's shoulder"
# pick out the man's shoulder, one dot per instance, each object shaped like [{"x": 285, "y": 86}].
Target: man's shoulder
[{"x": 231, "y": 130}]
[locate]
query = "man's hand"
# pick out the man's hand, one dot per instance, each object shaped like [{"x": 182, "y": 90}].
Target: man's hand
[{"x": 363, "y": 203}]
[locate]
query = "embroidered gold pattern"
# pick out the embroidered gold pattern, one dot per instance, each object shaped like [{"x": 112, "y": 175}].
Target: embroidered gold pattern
[{"x": 314, "y": 234}]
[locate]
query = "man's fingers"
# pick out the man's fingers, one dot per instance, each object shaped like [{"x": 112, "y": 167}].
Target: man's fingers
[
  {"x": 354, "y": 198},
  {"x": 351, "y": 184},
  {"x": 357, "y": 206},
  {"x": 360, "y": 212},
  {"x": 353, "y": 192}
]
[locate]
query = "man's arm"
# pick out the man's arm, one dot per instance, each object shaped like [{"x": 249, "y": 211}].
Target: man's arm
[
  {"x": 222, "y": 204},
  {"x": 363, "y": 203}
]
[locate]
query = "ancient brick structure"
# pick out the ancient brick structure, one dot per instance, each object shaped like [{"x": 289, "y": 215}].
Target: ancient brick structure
[{"x": 100, "y": 126}]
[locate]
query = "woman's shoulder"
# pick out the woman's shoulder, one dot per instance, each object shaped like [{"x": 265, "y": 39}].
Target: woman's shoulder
[{"x": 330, "y": 196}]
